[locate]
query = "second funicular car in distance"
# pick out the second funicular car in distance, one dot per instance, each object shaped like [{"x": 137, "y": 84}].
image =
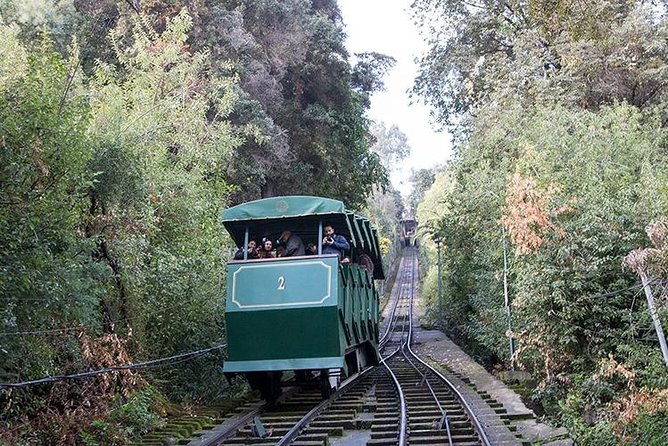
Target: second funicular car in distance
[{"x": 311, "y": 313}]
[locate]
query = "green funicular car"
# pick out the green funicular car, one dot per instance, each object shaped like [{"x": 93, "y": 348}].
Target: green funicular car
[{"x": 308, "y": 314}]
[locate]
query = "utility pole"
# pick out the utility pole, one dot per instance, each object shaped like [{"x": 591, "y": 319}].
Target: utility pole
[
  {"x": 655, "y": 316},
  {"x": 437, "y": 240},
  {"x": 506, "y": 297}
]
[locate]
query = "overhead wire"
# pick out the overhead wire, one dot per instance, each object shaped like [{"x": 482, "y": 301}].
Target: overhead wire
[
  {"x": 36, "y": 332},
  {"x": 617, "y": 292}
]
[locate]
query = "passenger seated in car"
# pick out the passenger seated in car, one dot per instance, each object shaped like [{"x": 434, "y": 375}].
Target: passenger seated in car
[
  {"x": 364, "y": 261},
  {"x": 334, "y": 243},
  {"x": 293, "y": 244},
  {"x": 252, "y": 251},
  {"x": 266, "y": 252}
]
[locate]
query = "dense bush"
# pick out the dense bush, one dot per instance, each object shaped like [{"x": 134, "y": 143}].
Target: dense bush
[
  {"x": 111, "y": 250},
  {"x": 122, "y": 137},
  {"x": 577, "y": 195},
  {"x": 561, "y": 160}
]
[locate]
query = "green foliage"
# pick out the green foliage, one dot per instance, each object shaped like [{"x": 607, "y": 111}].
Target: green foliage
[
  {"x": 157, "y": 227},
  {"x": 123, "y": 135},
  {"x": 509, "y": 52},
  {"x": 649, "y": 429},
  {"x": 47, "y": 280},
  {"x": 367, "y": 75},
  {"x": 111, "y": 190},
  {"x": 597, "y": 434},
  {"x": 560, "y": 125},
  {"x": 391, "y": 144},
  {"x": 422, "y": 180},
  {"x": 37, "y": 16},
  {"x": 138, "y": 414},
  {"x": 598, "y": 181},
  {"x": 385, "y": 207},
  {"x": 298, "y": 92}
]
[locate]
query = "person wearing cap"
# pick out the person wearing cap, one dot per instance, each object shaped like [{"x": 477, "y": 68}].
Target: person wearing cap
[{"x": 293, "y": 244}]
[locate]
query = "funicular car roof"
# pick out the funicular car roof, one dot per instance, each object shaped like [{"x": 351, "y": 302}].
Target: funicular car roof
[{"x": 300, "y": 214}]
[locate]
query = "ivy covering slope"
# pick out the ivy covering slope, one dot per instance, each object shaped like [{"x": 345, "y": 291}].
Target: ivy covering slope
[{"x": 559, "y": 112}]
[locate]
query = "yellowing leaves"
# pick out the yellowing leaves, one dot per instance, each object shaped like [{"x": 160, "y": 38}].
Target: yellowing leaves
[
  {"x": 651, "y": 261},
  {"x": 528, "y": 215},
  {"x": 631, "y": 404}
]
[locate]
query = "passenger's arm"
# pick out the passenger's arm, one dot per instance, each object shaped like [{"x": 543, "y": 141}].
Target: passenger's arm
[{"x": 341, "y": 243}]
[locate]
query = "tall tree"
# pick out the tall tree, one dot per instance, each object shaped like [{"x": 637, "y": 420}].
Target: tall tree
[
  {"x": 391, "y": 144},
  {"x": 422, "y": 180},
  {"x": 560, "y": 111},
  {"x": 111, "y": 190},
  {"x": 576, "y": 53},
  {"x": 304, "y": 101}
]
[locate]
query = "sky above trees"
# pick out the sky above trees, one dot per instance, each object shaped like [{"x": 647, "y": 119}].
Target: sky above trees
[{"x": 386, "y": 27}]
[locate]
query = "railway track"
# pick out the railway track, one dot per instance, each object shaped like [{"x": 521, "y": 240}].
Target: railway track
[
  {"x": 402, "y": 401},
  {"x": 435, "y": 412}
]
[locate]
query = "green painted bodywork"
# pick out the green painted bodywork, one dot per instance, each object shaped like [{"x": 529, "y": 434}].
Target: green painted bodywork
[
  {"x": 277, "y": 284},
  {"x": 292, "y": 206},
  {"x": 300, "y": 313},
  {"x": 297, "y": 313}
]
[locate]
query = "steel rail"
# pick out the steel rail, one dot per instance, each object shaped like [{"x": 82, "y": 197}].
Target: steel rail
[
  {"x": 229, "y": 428},
  {"x": 403, "y": 413},
  {"x": 313, "y": 413},
  {"x": 402, "y": 404},
  {"x": 394, "y": 318},
  {"x": 384, "y": 339},
  {"x": 469, "y": 410},
  {"x": 444, "y": 412},
  {"x": 306, "y": 419},
  {"x": 215, "y": 437}
]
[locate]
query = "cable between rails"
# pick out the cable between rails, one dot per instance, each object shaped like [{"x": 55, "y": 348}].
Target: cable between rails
[
  {"x": 403, "y": 415},
  {"x": 467, "y": 407},
  {"x": 139, "y": 365}
]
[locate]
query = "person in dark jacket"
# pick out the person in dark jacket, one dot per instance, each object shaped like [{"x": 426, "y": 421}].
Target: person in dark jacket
[
  {"x": 252, "y": 251},
  {"x": 293, "y": 244},
  {"x": 334, "y": 243}
]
